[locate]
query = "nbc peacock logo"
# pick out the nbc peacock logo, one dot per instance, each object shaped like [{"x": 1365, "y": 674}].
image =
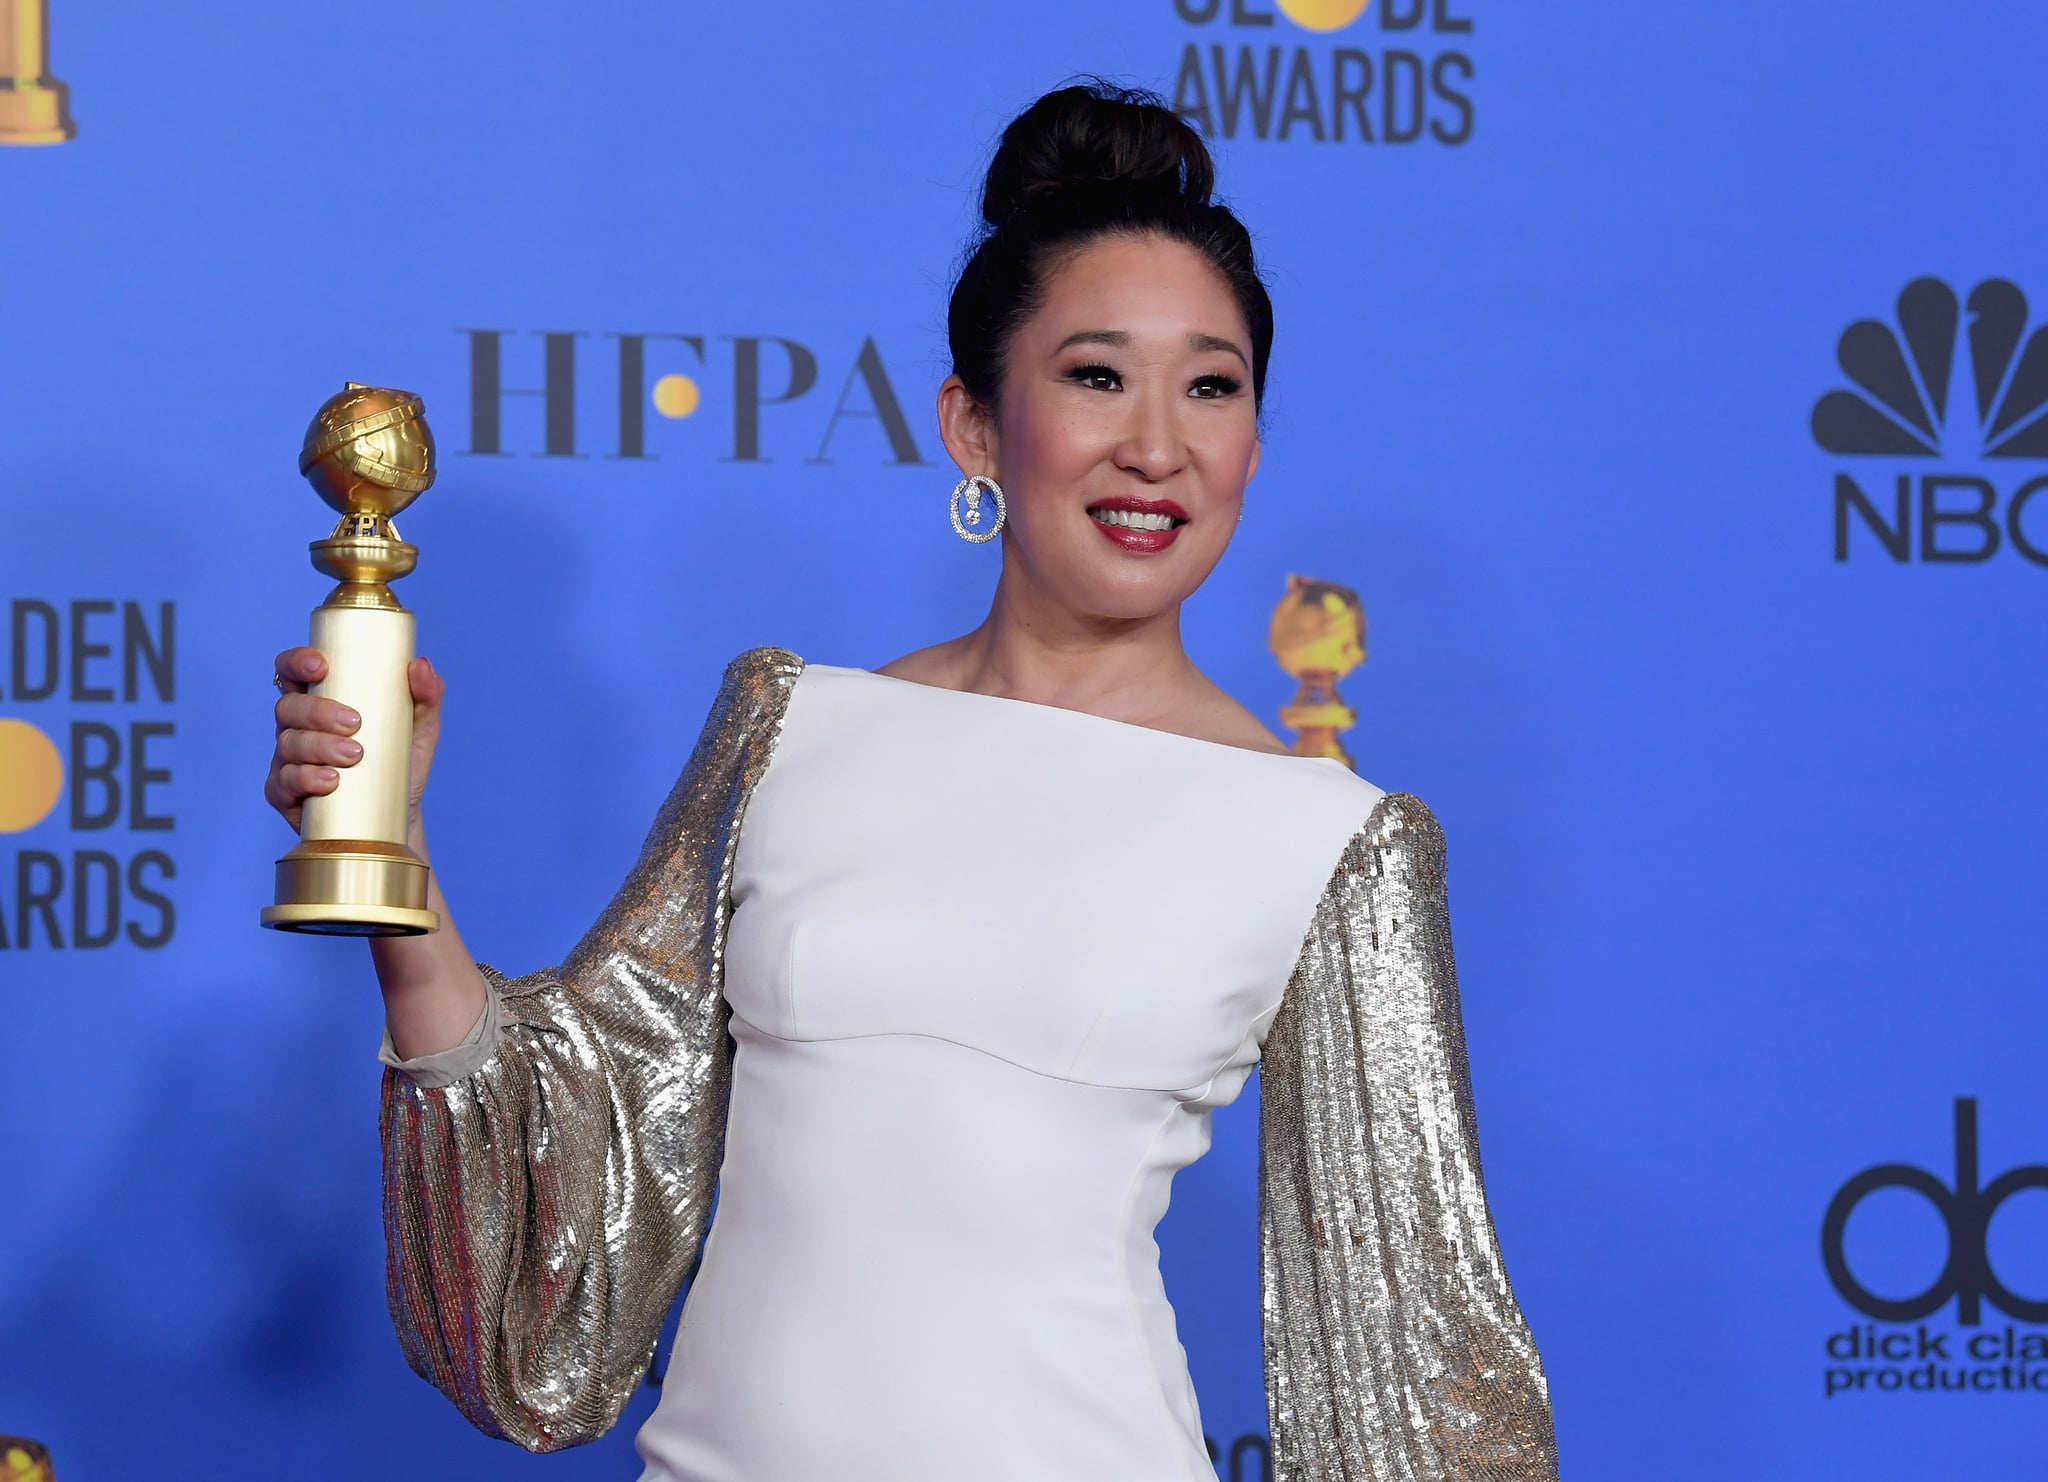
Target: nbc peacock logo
[{"x": 1909, "y": 401}]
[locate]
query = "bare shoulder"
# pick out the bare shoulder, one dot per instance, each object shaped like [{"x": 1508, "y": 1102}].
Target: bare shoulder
[
  {"x": 1195, "y": 706},
  {"x": 937, "y": 664},
  {"x": 1213, "y": 715}
]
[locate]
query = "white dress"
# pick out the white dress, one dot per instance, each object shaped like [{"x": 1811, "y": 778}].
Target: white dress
[
  {"x": 991, "y": 967},
  {"x": 933, "y": 993}
]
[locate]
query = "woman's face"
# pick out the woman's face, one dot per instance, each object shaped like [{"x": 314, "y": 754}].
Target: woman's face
[{"x": 1126, "y": 430}]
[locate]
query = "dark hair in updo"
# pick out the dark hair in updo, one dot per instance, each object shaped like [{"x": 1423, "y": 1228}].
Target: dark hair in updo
[{"x": 1085, "y": 162}]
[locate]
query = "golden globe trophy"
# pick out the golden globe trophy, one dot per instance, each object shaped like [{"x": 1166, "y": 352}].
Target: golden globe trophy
[
  {"x": 1318, "y": 635},
  {"x": 35, "y": 108},
  {"x": 368, "y": 454},
  {"x": 23, "y": 1460}
]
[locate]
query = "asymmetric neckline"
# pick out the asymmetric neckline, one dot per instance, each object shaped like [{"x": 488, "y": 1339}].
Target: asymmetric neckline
[{"x": 1084, "y": 715}]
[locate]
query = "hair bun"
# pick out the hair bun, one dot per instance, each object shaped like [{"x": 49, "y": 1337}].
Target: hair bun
[
  {"x": 1080, "y": 164},
  {"x": 1073, "y": 142}
]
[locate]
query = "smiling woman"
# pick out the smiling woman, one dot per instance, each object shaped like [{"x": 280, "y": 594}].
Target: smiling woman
[
  {"x": 1110, "y": 337},
  {"x": 940, "y": 1139},
  {"x": 1126, "y": 412}
]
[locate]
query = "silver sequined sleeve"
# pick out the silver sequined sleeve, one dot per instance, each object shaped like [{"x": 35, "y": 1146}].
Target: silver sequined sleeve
[
  {"x": 1395, "y": 1351},
  {"x": 542, "y": 1210}
]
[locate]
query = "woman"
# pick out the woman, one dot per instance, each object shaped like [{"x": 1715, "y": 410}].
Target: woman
[{"x": 992, "y": 930}]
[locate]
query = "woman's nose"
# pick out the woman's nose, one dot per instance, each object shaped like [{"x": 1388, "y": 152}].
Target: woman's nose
[{"x": 1152, "y": 446}]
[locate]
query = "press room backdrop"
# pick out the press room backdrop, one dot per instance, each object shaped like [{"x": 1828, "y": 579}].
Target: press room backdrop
[{"x": 1663, "y": 377}]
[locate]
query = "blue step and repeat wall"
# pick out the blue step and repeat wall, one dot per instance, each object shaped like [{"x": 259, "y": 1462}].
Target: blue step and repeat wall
[{"x": 1669, "y": 380}]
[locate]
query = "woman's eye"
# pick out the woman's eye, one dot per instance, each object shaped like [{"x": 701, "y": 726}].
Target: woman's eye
[
  {"x": 1095, "y": 377},
  {"x": 1215, "y": 386}
]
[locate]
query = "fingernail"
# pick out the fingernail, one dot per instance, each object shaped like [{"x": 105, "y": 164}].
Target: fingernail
[
  {"x": 351, "y": 748},
  {"x": 350, "y": 718},
  {"x": 330, "y": 774}
]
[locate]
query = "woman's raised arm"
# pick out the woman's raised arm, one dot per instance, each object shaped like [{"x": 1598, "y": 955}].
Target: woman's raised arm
[{"x": 548, "y": 1179}]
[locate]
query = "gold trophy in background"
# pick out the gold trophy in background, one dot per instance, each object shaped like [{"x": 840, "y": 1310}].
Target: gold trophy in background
[
  {"x": 23, "y": 1460},
  {"x": 1318, "y": 635},
  {"x": 34, "y": 106},
  {"x": 368, "y": 454}
]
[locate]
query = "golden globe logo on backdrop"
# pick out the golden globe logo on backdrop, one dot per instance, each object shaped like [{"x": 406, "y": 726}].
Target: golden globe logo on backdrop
[
  {"x": 576, "y": 393},
  {"x": 1327, "y": 71},
  {"x": 85, "y": 689}
]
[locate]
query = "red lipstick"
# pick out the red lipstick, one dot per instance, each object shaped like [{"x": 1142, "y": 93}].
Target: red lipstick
[{"x": 1128, "y": 536}]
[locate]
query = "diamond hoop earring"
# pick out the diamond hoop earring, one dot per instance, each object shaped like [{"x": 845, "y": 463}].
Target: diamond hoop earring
[{"x": 969, "y": 491}]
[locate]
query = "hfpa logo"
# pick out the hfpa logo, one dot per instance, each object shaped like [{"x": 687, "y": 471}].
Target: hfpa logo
[
  {"x": 757, "y": 377},
  {"x": 1902, "y": 407}
]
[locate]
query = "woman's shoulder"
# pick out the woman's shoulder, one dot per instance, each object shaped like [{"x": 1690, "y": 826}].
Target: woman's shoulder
[
  {"x": 754, "y": 689},
  {"x": 764, "y": 662},
  {"x": 759, "y": 670},
  {"x": 1393, "y": 826},
  {"x": 934, "y": 664}
]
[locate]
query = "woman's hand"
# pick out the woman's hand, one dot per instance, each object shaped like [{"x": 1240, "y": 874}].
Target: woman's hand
[
  {"x": 315, "y": 735},
  {"x": 433, "y": 992}
]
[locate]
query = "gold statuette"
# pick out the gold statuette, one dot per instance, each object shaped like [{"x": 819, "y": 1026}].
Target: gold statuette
[
  {"x": 368, "y": 454},
  {"x": 34, "y": 106},
  {"x": 23, "y": 1460},
  {"x": 1318, "y": 635}
]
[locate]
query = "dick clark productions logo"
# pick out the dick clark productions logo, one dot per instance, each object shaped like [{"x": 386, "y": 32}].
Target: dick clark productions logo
[
  {"x": 1907, "y": 405},
  {"x": 1969, "y": 1357}
]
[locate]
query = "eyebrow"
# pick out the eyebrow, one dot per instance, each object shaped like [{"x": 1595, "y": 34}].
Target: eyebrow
[
  {"x": 1112, "y": 337},
  {"x": 1217, "y": 342},
  {"x": 1118, "y": 339}
]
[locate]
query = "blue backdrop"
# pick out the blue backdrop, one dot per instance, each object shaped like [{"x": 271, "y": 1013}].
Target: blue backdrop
[{"x": 1733, "y": 712}]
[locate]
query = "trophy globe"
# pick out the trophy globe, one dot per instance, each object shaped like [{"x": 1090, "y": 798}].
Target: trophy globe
[{"x": 368, "y": 454}]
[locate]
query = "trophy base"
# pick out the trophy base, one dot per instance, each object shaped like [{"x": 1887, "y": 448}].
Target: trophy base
[
  {"x": 351, "y": 921},
  {"x": 352, "y": 888},
  {"x": 33, "y": 111}
]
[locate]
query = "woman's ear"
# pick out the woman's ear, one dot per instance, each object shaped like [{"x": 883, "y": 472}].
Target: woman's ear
[{"x": 967, "y": 429}]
